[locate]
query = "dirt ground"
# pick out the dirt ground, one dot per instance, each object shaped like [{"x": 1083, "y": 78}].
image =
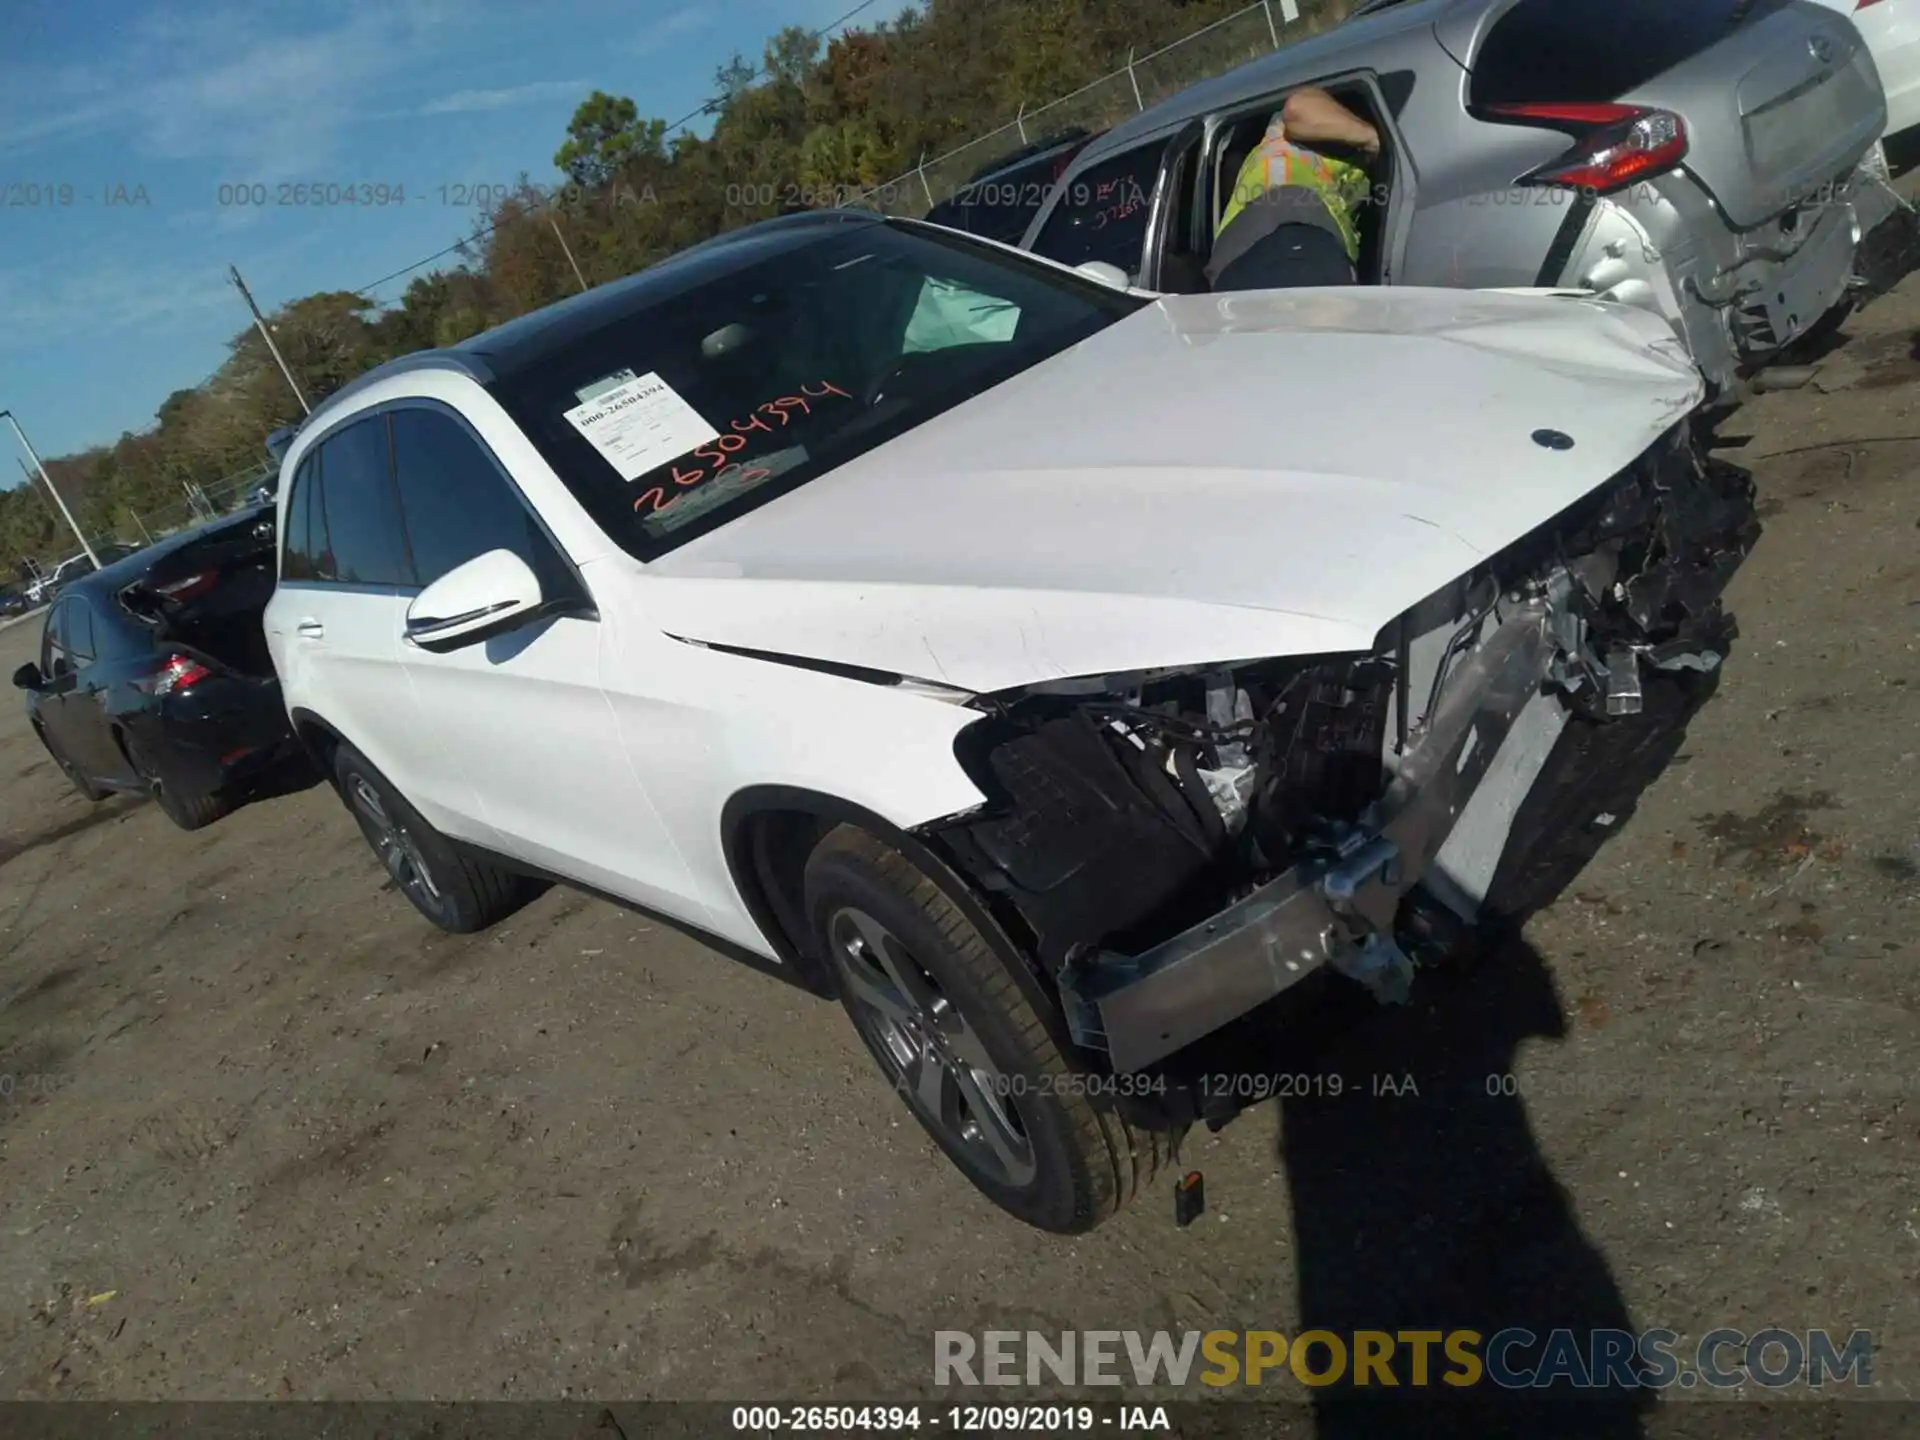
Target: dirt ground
[{"x": 268, "y": 1135}]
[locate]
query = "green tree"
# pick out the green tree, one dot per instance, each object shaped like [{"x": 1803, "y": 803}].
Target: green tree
[
  {"x": 604, "y": 134},
  {"x": 811, "y": 122}
]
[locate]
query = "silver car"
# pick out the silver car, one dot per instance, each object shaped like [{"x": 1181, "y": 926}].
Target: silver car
[{"x": 1709, "y": 160}]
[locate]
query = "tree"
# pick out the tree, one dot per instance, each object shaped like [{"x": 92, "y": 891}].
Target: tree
[
  {"x": 604, "y": 134},
  {"x": 732, "y": 80},
  {"x": 813, "y": 123}
]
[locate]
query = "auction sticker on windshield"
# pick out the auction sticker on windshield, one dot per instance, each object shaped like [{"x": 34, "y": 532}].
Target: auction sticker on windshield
[{"x": 638, "y": 423}]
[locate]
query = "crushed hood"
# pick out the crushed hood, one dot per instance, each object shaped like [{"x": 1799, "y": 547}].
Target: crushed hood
[{"x": 1212, "y": 478}]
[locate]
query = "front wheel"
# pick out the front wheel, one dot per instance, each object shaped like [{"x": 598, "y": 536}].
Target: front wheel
[
  {"x": 959, "y": 1038},
  {"x": 458, "y": 894}
]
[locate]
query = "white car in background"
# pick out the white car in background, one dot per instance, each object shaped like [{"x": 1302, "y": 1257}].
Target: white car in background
[
  {"x": 1054, "y": 673},
  {"x": 1891, "y": 29}
]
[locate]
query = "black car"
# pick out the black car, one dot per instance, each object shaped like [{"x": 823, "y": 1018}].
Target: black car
[
  {"x": 1000, "y": 201},
  {"x": 154, "y": 675}
]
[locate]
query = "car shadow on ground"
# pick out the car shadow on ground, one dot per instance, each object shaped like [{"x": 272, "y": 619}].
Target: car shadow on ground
[
  {"x": 1421, "y": 1200},
  {"x": 293, "y": 776}
]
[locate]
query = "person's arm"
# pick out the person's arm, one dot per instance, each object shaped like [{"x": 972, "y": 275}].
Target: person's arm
[{"x": 1313, "y": 116}]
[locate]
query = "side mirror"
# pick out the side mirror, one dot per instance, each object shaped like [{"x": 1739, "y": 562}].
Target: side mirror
[
  {"x": 489, "y": 595},
  {"x": 1111, "y": 275},
  {"x": 27, "y": 677}
]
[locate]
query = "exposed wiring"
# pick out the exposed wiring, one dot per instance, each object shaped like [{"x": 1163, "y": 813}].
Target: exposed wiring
[
  {"x": 1455, "y": 644},
  {"x": 1174, "y": 727}
]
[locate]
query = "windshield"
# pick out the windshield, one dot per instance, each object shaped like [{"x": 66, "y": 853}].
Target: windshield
[{"x": 669, "y": 422}]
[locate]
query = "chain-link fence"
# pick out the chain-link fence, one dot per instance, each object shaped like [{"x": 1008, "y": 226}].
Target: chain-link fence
[{"x": 1144, "y": 80}]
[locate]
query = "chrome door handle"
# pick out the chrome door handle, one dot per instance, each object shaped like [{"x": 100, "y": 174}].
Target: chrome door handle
[{"x": 310, "y": 629}]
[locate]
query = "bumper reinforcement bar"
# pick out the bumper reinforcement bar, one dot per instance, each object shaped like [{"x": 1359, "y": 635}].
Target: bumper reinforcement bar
[{"x": 1335, "y": 910}]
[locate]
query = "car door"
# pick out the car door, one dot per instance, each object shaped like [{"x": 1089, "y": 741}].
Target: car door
[
  {"x": 342, "y": 599},
  {"x": 88, "y": 738},
  {"x": 1175, "y": 258},
  {"x": 517, "y": 736},
  {"x": 58, "y": 678},
  {"x": 1101, "y": 212}
]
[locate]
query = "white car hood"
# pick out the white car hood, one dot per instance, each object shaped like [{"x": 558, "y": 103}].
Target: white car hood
[{"x": 1213, "y": 478}]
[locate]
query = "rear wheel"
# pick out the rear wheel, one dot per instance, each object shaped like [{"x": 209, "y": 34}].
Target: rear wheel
[
  {"x": 960, "y": 1039},
  {"x": 77, "y": 777},
  {"x": 455, "y": 892},
  {"x": 189, "y": 809}
]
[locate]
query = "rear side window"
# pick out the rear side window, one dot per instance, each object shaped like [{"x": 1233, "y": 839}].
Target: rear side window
[
  {"x": 459, "y": 505},
  {"x": 117, "y": 635},
  {"x": 1585, "y": 51},
  {"x": 364, "y": 534},
  {"x": 77, "y": 631},
  {"x": 1001, "y": 205},
  {"x": 1102, "y": 213},
  {"x": 301, "y": 559},
  {"x": 53, "y": 646}
]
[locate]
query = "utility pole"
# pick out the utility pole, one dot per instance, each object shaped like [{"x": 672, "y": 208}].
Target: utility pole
[
  {"x": 28, "y": 472},
  {"x": 52, "y": 489},
  {"x": 267, "y": 335},
  {"x": 566, "y": 250}
]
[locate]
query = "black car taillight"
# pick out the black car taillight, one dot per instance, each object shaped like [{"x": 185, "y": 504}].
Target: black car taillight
[
  {"x": 1614, "y": 145},
  {"x": 180, "y": 672}
]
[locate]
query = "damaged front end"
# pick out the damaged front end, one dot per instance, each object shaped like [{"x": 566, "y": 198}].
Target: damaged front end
[{"x": 1176, "y": 848}]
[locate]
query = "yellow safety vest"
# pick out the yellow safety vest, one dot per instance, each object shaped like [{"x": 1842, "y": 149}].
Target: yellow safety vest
[{"x": 1277, "y": 161}]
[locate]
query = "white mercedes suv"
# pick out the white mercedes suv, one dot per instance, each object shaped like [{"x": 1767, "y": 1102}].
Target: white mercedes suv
[{"x": 1051, "y": 672}]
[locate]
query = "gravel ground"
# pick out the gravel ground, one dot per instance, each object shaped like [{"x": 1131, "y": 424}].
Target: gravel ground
[{"x": 268, "y": 1135}]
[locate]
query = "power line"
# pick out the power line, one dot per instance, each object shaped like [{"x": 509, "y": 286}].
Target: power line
[{"x": 680, "y": 124}]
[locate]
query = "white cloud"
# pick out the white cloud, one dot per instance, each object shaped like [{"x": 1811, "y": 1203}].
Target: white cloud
[
  {"x": 463, "y": 102},
  {"x": 222, "y": 83},
  {"x": 42, "y": 302}
]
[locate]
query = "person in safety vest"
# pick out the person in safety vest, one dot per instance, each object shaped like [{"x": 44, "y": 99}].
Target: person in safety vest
[{"x": 1291, "y": 217}]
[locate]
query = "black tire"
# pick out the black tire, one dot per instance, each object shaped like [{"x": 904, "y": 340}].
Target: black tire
[
  {"x": 1081, "y": 1161},
  {"x": 76, "y": 777},
  {"x": 457, "y": 893},
  {"x": 190, "y": 810}
]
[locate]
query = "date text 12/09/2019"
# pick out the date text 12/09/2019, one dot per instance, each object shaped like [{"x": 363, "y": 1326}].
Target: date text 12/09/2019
[{"x": 959, "y": 1419}]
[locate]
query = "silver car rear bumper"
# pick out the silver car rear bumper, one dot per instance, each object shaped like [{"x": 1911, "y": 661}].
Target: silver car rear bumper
[{"x": 1736, "y": 298}]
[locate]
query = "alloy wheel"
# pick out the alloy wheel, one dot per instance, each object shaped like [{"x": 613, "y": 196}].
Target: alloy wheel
[
  {"x": 932, "y": 1055},
  {"x": 396, "y": 848}
]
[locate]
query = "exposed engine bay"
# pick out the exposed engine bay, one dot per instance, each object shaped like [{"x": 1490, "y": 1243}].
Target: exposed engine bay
[{"x": 1175, "y": 848}]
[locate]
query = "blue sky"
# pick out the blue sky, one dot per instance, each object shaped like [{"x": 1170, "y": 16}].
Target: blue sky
[{"x": 145, "y": 110}]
